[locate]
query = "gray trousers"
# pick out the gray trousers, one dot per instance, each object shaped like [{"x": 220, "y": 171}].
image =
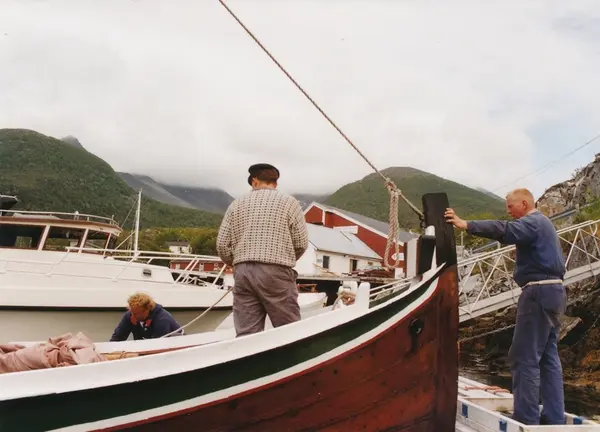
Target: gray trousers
[
  {"x": 260, "y": 290},
  {"x": 533, "y": 356}
]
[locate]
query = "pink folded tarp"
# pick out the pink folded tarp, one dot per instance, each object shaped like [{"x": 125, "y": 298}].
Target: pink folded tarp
[{"x": 65, "y": 350}]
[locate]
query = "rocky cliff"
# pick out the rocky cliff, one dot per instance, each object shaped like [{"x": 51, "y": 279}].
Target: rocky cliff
[{"x": 581, "y": 189}]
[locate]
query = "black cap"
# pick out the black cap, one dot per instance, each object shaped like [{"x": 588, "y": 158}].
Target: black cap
[{"x": 256, "y": 169}]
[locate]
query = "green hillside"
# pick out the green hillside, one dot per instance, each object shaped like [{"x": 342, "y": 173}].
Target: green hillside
[
  {"x": 48, "y": 174},
  {"x": 369, "y": 196}
]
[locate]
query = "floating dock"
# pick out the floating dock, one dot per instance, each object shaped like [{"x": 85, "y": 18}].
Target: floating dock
[{"x": 484, "y": 408}]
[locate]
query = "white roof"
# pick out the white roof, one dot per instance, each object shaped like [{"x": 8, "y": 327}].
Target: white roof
[
  {"x": 382, "y": 228},
  {"x": 333, "y": 240}
]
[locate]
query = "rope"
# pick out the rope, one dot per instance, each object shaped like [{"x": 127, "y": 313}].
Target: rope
[
  {"x": 487, "y": 388},
  {"x": 346, "y": 297},
  {"x": 385, "y": 179},
  {"x": 394, "y": 228},
  {"x": 199, "y": 316},
  {"x": 533, "y": 173},
  {"x": 508, "y": 327}
]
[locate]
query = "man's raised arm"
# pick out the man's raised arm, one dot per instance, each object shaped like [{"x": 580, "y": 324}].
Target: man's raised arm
[{"x": 506, "y": 232}]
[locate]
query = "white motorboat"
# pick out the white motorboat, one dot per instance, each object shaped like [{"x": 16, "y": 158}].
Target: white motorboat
[{"x": 60, "y": 272}]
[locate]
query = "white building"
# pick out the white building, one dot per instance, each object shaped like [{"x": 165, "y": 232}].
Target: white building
[
  {"x": 334, "y": 250},
  {"x": 179, "y": 247}
]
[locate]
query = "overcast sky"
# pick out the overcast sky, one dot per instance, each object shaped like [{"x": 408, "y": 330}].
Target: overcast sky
[{"x": 477, "y": 92}]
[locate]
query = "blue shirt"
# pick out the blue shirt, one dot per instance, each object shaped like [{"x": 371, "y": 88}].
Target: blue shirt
[
  {"x": 159, "y": 323},
  {"x": 539, "y": 255}
]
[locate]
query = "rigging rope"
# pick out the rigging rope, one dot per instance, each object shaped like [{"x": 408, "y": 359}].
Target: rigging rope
[
  {"x": 393, "y": 230},
  {"x": 533, "y": 173},
  {"x": 229, "y": 289},
  {"x": 392, "y": 188}
]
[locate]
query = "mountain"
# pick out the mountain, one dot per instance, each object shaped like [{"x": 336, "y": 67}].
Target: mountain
[
  {"x": 213, "y": 200},
  {"x": 48, "y": 174},
  {"x": 306, "y": 199},
  {"x": 70, "y": 139},
  {"x": 490, "y": 194},
  {"x": 369, "y": 196}
]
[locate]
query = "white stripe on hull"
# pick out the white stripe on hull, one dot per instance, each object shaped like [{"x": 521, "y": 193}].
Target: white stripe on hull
[{"x": 232, "y": 391}]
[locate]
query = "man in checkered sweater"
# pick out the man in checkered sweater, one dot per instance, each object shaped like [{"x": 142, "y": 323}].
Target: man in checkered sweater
[{"x": 262, "y": 235}]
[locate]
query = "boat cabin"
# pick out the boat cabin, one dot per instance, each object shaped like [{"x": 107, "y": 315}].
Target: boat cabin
[{"x": 54, "y": 231}]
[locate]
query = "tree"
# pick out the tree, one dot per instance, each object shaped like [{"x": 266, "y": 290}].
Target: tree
[{"x": 205, "y": 243}]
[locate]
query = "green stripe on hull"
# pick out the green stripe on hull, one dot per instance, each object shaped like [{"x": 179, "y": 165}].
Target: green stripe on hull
[{"x": 47, "y": 412}]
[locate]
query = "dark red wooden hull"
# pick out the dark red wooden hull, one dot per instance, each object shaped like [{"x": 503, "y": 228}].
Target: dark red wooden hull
[{"x": 390, "y": 384}]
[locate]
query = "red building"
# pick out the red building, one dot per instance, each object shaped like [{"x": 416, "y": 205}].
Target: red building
[
  {"x": 202, "y": 266},
  {"x": 372, "y": 232}
]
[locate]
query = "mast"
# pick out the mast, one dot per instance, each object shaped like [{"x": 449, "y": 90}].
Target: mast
[{"x": 137, "y": 223}]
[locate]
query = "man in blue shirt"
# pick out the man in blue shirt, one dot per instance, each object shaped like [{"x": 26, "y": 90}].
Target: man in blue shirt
[
  {"x": 145, "y": 319},
  {"x": 539, "y": 270}
]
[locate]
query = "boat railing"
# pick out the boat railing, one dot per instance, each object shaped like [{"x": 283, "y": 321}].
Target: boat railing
[
  {"x": 144, "y": 255},
  {"x": 128, "y": 258},
  {"x": 389, "y": 288},
  {"x": 63, "y": 216},
  {"x": 184, "y": 275}
]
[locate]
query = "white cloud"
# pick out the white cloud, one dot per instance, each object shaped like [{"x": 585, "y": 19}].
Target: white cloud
[{"x": 183, "y": 94}]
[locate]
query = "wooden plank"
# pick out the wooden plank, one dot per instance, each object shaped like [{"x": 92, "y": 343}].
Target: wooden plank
[{"x": 481, "y": 414}]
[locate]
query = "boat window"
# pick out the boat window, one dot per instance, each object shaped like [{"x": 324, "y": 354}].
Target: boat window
[
  {"x": 96, "y": 240},
  {"x": 60, "y": 238},
  {"x": 325, "y": 262},
  {"x": 20, "y": 236},
  {"x": 112, "y": 243}
]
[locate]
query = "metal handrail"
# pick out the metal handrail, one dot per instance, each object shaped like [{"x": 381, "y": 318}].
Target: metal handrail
[
  {"x": 73, "y": 216},
  {"x": 126, "y": 257},
  {"x": 490, "y": 293},
  {"x": 145, "y": 254}
]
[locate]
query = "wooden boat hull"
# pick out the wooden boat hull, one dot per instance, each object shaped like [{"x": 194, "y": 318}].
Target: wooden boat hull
[
  {"x": 391, "y": 366},
  {"x": 394, "y": 382},
  {"x": 364, "y": 373}
]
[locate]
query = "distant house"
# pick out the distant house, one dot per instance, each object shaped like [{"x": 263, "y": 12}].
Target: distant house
[
  {"x": 207, "y": 265},
  {"x": 180, "y": 247},
  {"x": 332, "y": 250},
  {"x": 372, "y": 232}
]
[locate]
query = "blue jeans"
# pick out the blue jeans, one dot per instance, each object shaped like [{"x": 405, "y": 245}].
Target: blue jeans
[{"x": 533, "y": 356}]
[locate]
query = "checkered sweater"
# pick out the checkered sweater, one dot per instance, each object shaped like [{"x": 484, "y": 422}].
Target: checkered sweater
[{"x": 265, "y": 226}]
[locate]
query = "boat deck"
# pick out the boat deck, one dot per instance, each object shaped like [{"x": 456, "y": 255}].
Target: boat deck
[{"x": 484, "y": 408}]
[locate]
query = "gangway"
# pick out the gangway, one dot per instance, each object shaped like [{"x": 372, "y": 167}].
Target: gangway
[
  {"x": 486, "y": 280},
  {"x": 556, "y": 217},
  {"x": 486, "y": 283}
]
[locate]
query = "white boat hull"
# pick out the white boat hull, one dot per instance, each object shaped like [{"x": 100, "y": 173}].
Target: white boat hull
[
  {"x": 50, "y": 293},
  {"x": 97, "y": 325},
  {"x": 27, "y": 327},
  {"x": 50, "y": 279}
]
